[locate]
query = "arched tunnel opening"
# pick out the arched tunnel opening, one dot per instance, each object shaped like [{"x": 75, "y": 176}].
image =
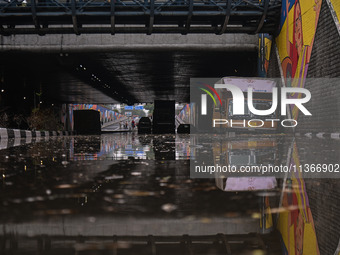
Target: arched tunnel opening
[{"x": 47, "y": 82}]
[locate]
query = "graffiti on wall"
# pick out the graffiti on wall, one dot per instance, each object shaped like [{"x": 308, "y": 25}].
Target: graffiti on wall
[
  {"x": 299, "y": 19},
  {"x": 106, "y": 115},
  {"x": 187, "y": 114},
  {"x": 295, "y": 222},
  {"x": 298, "y": 24}
]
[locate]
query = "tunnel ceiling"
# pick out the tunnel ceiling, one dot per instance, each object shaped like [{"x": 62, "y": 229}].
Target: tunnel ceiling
[{"x": 125, "y": 77}]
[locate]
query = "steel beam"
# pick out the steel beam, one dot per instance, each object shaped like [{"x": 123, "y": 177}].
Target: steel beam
[
  {"x": 152, "y": 16},
  {"x": 190, "y": 13},
  {"x": 261, "y": 21},
  {"x": 74, "y": 17},
  {"x": 231, "y": 16},
  {"x": 113, "y": 6},
  {"x": 226, "y": 19}
]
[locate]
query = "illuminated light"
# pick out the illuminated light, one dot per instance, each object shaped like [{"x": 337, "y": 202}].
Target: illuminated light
[
  {"x": 41, "y": 162},
  {"x": 80, "y": 66},
  {"x": 2, "y": 90},
  {"x": 52, "y": 104},
  {"x": 24, "y": 98},
  {"x": 40, "y": 102},
  {"x": 3, "y": 176},
  {"x": 53, "y": 159},
  {"x": 84, "y": 68},
  {"x": 25, "y": 167}
]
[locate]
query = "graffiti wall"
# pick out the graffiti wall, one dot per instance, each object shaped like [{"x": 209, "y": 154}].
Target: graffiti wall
[
  {"x": 299, "y": 19},
  {"x": 106, "y": 115},
  {"x": 187, "y": 114},
  {"x": 295, "y": 221}
]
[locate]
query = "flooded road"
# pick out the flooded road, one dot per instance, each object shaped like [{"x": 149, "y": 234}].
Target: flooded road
[{"x": 125, "y": 193}]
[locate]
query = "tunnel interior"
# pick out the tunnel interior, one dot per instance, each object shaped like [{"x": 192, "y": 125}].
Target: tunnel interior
[{"x": 114, "y": 77}]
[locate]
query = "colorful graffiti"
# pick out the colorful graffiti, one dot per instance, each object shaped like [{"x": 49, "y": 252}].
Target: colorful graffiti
[
  {"x": 106, "y": 115},
  {"x": 187, "y": 114},
  {"x": 295, "y": 222},
  {"x": 299, "y": 19}
]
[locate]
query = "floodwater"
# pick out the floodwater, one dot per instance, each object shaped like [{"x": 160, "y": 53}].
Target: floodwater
[{"x": 125, "y": 193}]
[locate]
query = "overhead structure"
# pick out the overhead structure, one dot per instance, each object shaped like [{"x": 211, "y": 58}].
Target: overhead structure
[{"x": 136, "y": 16}]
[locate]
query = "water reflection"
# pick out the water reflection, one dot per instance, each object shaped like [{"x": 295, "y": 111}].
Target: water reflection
[
  {"x": 252, "y": 151},
  {"x": 128, "y": 184}
]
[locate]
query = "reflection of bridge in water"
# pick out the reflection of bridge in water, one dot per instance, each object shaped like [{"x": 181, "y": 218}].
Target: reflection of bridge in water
[{"x": 97, "y": 203}]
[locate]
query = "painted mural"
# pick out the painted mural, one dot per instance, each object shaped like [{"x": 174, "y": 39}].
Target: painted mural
[
  {"x": 295, "y": 222},
  {"x": 106, "y": 115},
  {"x": 187, "y": 114},
  {"x": 299, "y": 19}
]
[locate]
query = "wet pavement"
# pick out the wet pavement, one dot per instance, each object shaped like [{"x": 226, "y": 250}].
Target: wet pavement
[{"x": 132, "y": 194}]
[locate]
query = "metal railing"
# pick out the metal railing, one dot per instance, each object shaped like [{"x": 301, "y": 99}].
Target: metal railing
[{"x": 138, "y": 16}]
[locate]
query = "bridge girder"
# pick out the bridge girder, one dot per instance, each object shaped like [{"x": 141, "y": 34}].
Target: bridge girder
[{"x": 136, "y": 16}]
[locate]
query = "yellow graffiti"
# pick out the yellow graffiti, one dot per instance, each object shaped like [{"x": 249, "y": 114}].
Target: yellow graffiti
[
  {"x": 336, "y": 7},
  {"x": 296, "y": 223},
  {"x": 296, "y": 39}
]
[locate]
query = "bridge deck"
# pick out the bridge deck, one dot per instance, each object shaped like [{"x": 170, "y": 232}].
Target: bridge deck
[{"x": 134, "y": 16}]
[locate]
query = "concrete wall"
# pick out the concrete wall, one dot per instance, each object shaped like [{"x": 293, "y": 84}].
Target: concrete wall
[
  {"x": 324, "y": 63},
  {"x": 125, "y": 42},
  {"x": 326, "y": 212}
]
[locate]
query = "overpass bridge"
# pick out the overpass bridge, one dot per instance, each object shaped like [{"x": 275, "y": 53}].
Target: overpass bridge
[
  {"x": 55, "y": 192},
  {"x": 136, "y": 16}
]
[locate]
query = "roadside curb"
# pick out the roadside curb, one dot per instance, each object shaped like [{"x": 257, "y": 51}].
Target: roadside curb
[{"x": 7, "y": 133}]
